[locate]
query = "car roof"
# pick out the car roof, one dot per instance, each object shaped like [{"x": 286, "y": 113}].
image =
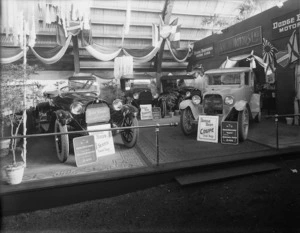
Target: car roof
[
  {"x": 84, "y": 76},
  {"x": 228, "y": 70},
  {"x": 169, "y": 77},
  {"x": 137, "y": 76}
]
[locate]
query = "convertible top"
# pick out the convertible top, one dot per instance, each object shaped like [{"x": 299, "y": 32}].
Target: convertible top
[{"x": 170, "y": 77}]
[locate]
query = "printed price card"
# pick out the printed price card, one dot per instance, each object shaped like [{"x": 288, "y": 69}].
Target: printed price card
[{"x": 208, "y": 128}]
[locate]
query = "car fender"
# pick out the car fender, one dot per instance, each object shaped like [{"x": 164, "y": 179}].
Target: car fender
[
  {"x": 188, "y": 103},
  {"x": 64, "y": 117}
]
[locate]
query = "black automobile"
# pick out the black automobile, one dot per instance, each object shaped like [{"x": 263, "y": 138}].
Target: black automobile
[
  {"x": 139, "y": 89},
  {"x": 77, "y": 105},
  {"x": 175, "y": 88}
]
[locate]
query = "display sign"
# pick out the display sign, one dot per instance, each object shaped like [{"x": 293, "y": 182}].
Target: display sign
[
  {"x": 96, "y": 113},
  {"x": 103, "y": 140},
  {"x": 146, "y": 111},
  {"x": 156, "y": 112},
  {"x": 243, "y": 40},
  {"x": 205, "y": 52},
  {"x": 283, "y": 26},
  {"x": 84, "y": 150},
  {"x": 229, "y": 132},
  {"x": 208, "y": 128}
]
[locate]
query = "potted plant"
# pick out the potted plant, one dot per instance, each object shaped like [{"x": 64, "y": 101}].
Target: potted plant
[{"x": 13, "y": 111}]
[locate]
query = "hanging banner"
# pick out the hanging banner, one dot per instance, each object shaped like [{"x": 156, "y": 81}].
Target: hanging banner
[
  {"x": 208, "y": 129},
  {"x": 283, "y": 26},
  {"x": 243, "y": 40}
]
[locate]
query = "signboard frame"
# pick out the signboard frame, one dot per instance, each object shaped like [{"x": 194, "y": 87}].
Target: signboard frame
[
  {"x": 84, "y": 150},
  {"x": 104, "y": 142},
  {"x": 146, "y": 112},
  {"x": 156, "y": 113},
  {"x": 231, "y": 126},
  {"x": 208, "y": 128}
]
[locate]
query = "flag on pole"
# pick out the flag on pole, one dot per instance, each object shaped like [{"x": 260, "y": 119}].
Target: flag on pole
[
  {"x": 293, "y": 47},
  {"x": 268, "y": 55},
  {"x": 175, "y": 34}
]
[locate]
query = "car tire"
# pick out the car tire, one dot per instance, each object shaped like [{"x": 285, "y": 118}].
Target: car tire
[
  {"x": 130, "y": 136},
  {"x": 61, "y": 142},
  {"x": 186, "y": 119},
  {"x": 243, "y": 124}
]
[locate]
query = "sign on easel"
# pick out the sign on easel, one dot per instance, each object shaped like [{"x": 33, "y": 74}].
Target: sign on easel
[
  {"x": 84, "y": 150},
  {"x": 156, "y": 113},
  {"x": 229, "y": 132},
  {"x": 146, "y": 111},
  {"x": 103, "y": 140},
  {"x": 208, "y": 128}
]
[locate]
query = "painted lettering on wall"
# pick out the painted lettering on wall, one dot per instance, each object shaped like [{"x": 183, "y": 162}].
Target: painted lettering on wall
[
  {"x": 284, "y": 25},
  {"x": 204, "y": 52},
  {"x": 243, "y": 40}
]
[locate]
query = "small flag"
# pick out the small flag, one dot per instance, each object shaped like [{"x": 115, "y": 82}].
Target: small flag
[
  {"x": 175, "y": 34},
  {"x": 293, "y": 48},
  {"x": 282, "y": 58}
]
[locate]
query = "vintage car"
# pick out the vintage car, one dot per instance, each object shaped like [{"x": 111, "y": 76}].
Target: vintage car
[
  {"x": 175, "y": 88},
  {"x": 230, "y": 95},
  {"x": 139, "y": 89},
  {"x": 75, "y": 106}
]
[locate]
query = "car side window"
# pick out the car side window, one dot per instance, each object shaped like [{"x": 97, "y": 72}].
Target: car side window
[{"x": 247, "y": 78}]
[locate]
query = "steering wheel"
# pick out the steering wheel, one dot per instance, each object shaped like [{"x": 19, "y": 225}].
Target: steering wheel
[{"x": 64, "y": 89}]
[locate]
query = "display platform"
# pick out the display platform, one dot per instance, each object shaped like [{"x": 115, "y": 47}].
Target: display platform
[{"x": 45, "y": 176}]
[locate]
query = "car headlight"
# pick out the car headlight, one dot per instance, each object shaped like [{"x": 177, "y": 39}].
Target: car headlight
[
  {"x": 187, "y": 94},
  {"x": 117, "y": 104},
  {"x": 196, "y": 99},
  {"x": 155, "y": 96},
  {"x": 229, "y": 100},
  {"x": 76, "y": 108},
  {"x": 136, "y": 96}
]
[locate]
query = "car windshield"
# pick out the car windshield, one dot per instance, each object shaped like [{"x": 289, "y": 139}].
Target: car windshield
[
  {"x": 83, "y": 85},
  {"x": 137, "y": 83},
  {"x": 224, "y": 79},
  {"x": 177, "y": 83}
]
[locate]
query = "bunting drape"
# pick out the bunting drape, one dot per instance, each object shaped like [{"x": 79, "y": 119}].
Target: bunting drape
[
  {"x": 55, "y": 58},
  {"x": 9, "y": 55}
]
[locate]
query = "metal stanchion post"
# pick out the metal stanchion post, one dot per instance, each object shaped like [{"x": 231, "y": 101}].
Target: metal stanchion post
[
  {"x": 276, "y": 123},
  {"x": 157, "y": 144}
]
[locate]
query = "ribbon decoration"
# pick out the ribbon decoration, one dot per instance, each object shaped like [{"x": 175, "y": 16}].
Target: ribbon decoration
[{"x": 268, "y": 56}]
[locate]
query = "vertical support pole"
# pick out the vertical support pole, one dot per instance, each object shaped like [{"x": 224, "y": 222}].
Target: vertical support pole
[
  {"x": 276, "y": 123},
  {"x": 76, "y": 54},
  {"x": 24, "y": 83},
  {"x": 157, "y": 144}
]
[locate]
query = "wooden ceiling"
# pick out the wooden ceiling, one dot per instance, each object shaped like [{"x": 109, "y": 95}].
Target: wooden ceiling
[{"x": 198, "y": 19}]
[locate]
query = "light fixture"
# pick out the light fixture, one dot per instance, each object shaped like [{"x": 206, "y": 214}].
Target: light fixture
[{"x": 279, "y": 4}]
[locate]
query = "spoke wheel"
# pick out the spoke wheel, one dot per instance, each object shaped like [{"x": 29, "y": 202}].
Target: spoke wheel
[
  {"x": 130, "y": 136},
  {"x": 243, "y": 122},
  {"x": 186, "y": 121},
  {"x": 61, "y": 142}
]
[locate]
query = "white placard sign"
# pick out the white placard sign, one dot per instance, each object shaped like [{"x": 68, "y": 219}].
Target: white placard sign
[
  {"x": 103, "y": 140},
  {"x": 146, "y": 111},
  {"x": 208, "y": 128}
]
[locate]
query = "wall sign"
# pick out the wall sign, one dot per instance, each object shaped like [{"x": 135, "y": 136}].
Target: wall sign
[
  {"x": 146, "y": 111},
  {"x": 205, "y": 52},
  {"x": 284, "y": 25},
  {"x": 208, "y": 128},
  {"x": 103, "y": 140},
  {"x": 229, "y": 132},
  {"x": 156, "y": 113},
  {"x": 84, "y": 150},
  {"x": 243, "y": 40}
]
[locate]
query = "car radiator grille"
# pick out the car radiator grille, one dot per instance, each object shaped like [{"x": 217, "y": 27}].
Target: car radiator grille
[
  {"x": 213, "y": 104},
  {"x": 97, "y": 113}
]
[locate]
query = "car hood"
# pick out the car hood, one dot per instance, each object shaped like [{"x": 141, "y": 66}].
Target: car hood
[{"x": 222, "y": 90}]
